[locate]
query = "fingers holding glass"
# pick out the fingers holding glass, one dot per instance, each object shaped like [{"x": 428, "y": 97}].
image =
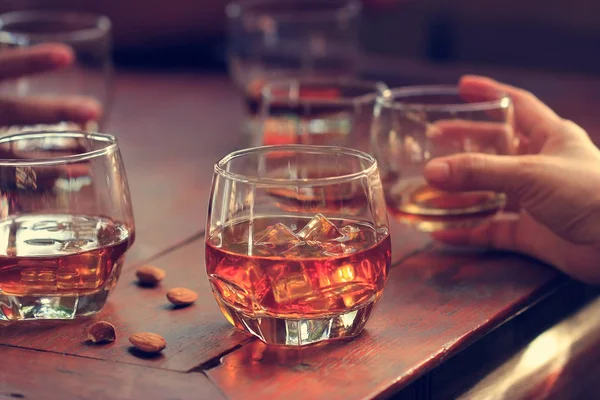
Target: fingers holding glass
[
  {"x": 418, "y": 124},
  {"x": 529, "y": 111}
]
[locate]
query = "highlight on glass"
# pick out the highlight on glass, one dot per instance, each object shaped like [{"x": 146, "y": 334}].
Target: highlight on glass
[
  {"x": 413, "y": 125},
  {"x": 88, "y": 79},
  {"x": 66, "y": 223},
  {"x": 297, "y": 245},
  {"x": 320, "y": 111}
]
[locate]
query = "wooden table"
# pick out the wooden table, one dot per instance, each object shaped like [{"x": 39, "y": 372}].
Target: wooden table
[{"x": 445, "y": 313}]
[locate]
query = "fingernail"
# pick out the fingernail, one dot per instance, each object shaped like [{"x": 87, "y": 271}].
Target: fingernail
[
  {"x": 437, "y": 171},
  {"x": 61, "y": 58},
  {"x": 88, "y": 113}
]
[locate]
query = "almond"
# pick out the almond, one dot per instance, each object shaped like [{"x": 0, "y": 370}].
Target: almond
[
  {"x": 102, "y": 332},
  {"x": 181, "y": 296},
  {"x": 149, "y": 275},
  {"x": 148, "y": 342}
]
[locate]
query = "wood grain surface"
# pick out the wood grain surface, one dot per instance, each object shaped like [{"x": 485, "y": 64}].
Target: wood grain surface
[
  {"x": 172, "y": 128},
  {"x": 194, "y": 334},
  {"x": 435, "y": 303},
  {"x": 561, "y": 363},
  {"x": 31, "y": 374}
]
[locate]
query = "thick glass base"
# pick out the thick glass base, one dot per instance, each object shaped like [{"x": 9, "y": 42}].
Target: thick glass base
[
  {"x": 300, "y": 331},
  {"x": 50, "y": 307}
]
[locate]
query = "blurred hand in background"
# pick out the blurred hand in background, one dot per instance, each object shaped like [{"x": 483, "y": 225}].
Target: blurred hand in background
[{"x": 14, "y": 110}]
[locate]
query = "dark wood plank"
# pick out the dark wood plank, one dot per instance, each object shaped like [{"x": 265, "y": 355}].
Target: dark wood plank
[
  {"x": 435, "y": 304},
  {"x": 469, "y": 366},
  {"x": 195, "y": 334},
  {"x": 561, "y": 363},
  {"x": 30, "y": 374},
  {"x": 172, "y": 128}
]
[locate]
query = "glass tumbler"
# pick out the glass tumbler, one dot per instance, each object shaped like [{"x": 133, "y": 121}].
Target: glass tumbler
[
  {"x": 277, "y": 39},
  {"x": 66, "y": 223},
  {"x": 88, "y": 78},
  {"x": 326, "y": 111},
  {"x": 298, "y": 246},
  {"x": 413, "y": 125}
]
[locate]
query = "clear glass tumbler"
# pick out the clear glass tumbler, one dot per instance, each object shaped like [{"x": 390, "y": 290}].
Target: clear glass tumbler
[
  {"x": 413, "y": 125},
  {"x": 298, "y": 246},
  {"x": 89, "y": 76},
  {"x": 66, "y": 223},
  {"x": 277, "y": 39},
  {"x": 321, "y": 111}
]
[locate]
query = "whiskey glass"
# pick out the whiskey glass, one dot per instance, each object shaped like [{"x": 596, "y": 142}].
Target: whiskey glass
[
  {"x": 319, "y": 111},
  {"x": 89, "y": 78},
  {"x": 278, "y": 39},
  {"x": 66, "y": 223},
  {"x": 297, "y": 244},
  {"x": 413, "y": 125}
]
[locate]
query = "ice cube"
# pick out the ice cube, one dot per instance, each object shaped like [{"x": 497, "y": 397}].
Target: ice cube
[
  {"x": 37, "y": 275},
  {"x": 90, "y": 267},
  {"x": 50, "y": 226},
  {"x": 67, "y": 278},
  {"x": 278, "y": 239},
  {"x": 292, "y": 286},
  {"x": 338, "y": 249},
  {"x": 320, "y": 229},
  {"x": 74, "y": 245},
  {"x": 344, "y": 273},
  {"x": 66, "y": 273},
  {"x": 40, "y": 278},
  {"x": 350, "y": 232},
  {"x": 81, "y": 271},
  {"x": 240, "y": 283}
]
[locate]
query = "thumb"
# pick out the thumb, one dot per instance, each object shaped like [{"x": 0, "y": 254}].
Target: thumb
[{"x": 476, "y": 171}]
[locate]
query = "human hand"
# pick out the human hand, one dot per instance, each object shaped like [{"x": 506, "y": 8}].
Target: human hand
[
  {"x": 15, "y": 63},
  {"x": 555, "y": 186}
]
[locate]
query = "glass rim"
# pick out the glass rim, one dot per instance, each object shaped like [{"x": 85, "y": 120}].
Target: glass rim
[
  {"x": 219, "y": 167},
  {"x": 100, "y": 25},
  {"x": 241, "y": 8},
  {"x": 392, "y": 99},
  {"x": 379, "y": 89},
  {"x": 110, "y": 140}
]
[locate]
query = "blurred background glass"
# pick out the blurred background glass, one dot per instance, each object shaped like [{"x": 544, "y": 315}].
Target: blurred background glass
[
  {"x": 91, "y": 73},
  {"x": 539, "y": 34},
  {"x": 318, "y": 111},
  {"x": 66, "y": 222},
  {"x": 413, "y": 125},
  {"x": 274, "y": 39}
]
